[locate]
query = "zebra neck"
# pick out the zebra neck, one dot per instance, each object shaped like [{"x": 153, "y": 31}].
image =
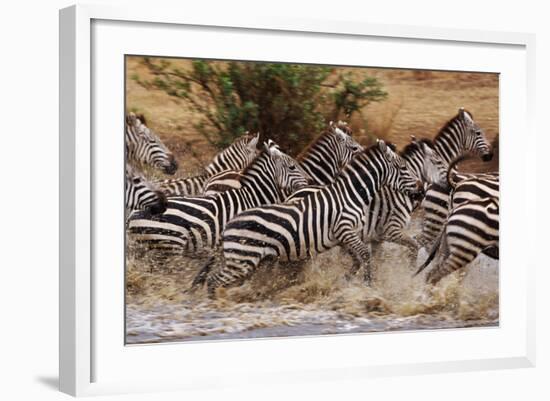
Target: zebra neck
[
  {"x": 258, "y": 182},
  {"x": 359, "y": 182},
  {"x": 320, "y": 162},
  {"x": 320, "y": 170},
  {"x": 228, "y": 159},
  {"x": 449, "y": 142},
  {"x": 415, "y": 163}
]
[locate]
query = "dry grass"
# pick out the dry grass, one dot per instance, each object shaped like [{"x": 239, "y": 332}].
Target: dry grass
[{"x": 419, "y": 103}]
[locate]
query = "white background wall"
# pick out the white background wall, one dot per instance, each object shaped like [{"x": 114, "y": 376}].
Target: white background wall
[{"x": 29, "y": 186}]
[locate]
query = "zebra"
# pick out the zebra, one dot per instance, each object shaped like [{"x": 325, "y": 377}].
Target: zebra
[
  {"x": 192, "y": 225},
  {"x": 473, "y": 187},
  {"x": 471, "y": 228},
  {"x": 472, "y": 224},
  {"x": 234, "y": 158},
  {"x": 458, "y": 188},
  {"x": 460, "y": 136},
  {"x": 140, "y": 194},
  {"x": 389, "y": 212},
  {"x": 322, "y": 159},
  {"x": 295, "y": 231},
  {"x": 144, "y": 147}
]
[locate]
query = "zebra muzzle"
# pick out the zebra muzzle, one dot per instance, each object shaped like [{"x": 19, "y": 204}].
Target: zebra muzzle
[{"x": 172, "y": 167}]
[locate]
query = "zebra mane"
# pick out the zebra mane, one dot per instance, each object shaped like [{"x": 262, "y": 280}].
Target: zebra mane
[
  {"x": 448, "y": 124},
  {"x": 414, "y": 145},
  {"x": 254, "y": 162},
  {"x": 141, "y": 117},
  {"x": 341, "y": 125},
  {"x": 372, "y": 149}
]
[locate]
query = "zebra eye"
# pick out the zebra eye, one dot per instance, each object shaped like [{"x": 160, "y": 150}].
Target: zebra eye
[
  {"x": 292, "y": 167},
  {"x": 136, "y": 180},
  {"x": 478, "y": 132}
]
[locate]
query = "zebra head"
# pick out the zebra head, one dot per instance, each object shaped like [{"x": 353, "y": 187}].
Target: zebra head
[
  {"x": 236, "y": 156},
  {"x": 424, "y": 162},
  {"x": 140, "y": 194},
  {"x": 398, "y": 176},
  {"x": 145, "y": 146},
  {"x": 345, "y": 146},
  {"x": 289, "y": 176},
  {"x": 474, "y": 140}
]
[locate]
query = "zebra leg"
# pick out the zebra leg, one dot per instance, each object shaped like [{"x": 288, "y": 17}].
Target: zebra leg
[
  {"x": 360, "y": 253},
  {"x": 202, "y": 275},
  {"x": 232, "y": 273},
  {"x": 400, "y": 238},
  {"x": 454, "y": 259}
]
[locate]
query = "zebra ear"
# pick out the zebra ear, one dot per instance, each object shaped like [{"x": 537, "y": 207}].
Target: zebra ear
[
  {"x": 274, "y": 150},
  {"x": 141, "y": 118},
  {"x": 461, "y": 112},
  {"x": 271, "y": 147},
  {"x": 131, "y": 118},
  {"x": 254, "y": 141},
  {"x": 427, "y": 149},
  {"x": 381, "y": 145},
  {"x": 340, "y": 134}
]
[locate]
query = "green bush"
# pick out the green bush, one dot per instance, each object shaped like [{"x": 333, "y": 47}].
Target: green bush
[{"x": 289, "y": 103}]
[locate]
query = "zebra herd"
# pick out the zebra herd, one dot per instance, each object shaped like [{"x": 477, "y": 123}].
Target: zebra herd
[{"x": 251, "y": 207}]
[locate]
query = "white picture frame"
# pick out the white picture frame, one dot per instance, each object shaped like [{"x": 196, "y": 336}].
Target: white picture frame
[{"x": 88, "y": 366}]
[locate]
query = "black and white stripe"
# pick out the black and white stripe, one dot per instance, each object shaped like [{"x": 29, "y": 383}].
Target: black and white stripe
[
  {"x": 235, "y": 157},
  {"x": 389, "y": 213},
  {"x": 460, "y": 136},
  {"x": 144, "y": 147},
  {"x": 193, "y": 224},
  {"x": 327, "y": 217},
  {"x": 472, "y": 227},
  {"x": 322, "y": 159},
  {"x": 140, "y": 194}
]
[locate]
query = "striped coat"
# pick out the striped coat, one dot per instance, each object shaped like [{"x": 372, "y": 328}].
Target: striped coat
[
  {"x": 323, "y": 219},
  {"x": 322, "y": 159},
  {"x": 194, "y": 224},
  {"x": 235, "y": 157}
]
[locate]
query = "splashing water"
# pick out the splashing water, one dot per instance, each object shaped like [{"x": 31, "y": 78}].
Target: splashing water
[{"x": 321, "y": 302}]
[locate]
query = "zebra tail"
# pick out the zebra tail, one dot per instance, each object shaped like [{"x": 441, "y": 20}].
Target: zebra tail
[{"x": 432, "y": 254}]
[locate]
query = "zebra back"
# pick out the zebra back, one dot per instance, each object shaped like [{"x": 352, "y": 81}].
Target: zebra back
[
  {"x": 144, "y": 147},
  {"x": 235, "y": 157},
  {"x": 472, "y": 228},
  {"x": 475, "y": 187},
  {"x": 223, "y": 182}
]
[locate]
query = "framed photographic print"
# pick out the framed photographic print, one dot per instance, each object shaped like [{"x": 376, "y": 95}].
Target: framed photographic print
[{"x": 318, "y": 200}]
